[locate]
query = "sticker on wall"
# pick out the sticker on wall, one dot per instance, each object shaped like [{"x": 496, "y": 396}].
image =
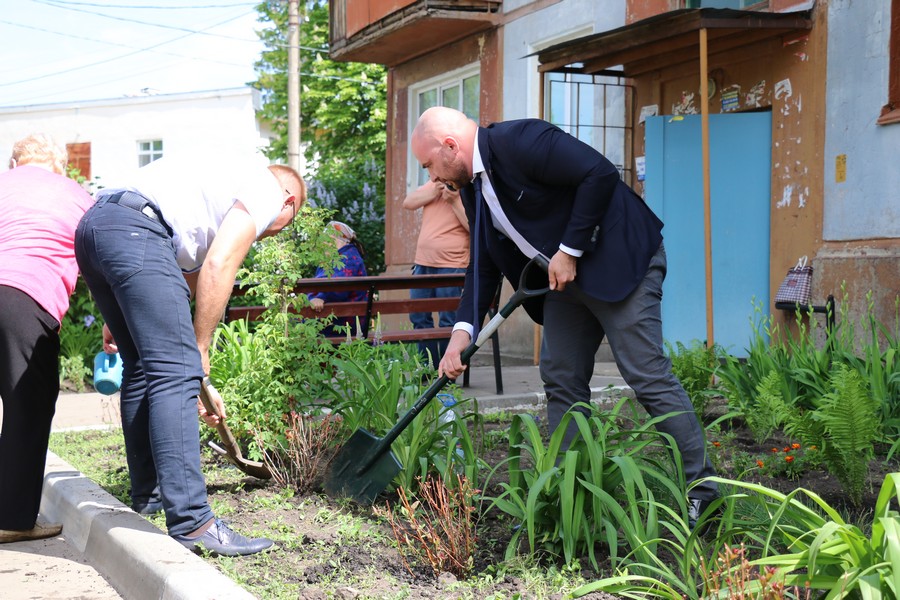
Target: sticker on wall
[
  {"x": 731, "y": 98},
  {"x": 651, "y": 110},
  {"x": 783, "y": 92},
  {"x": 755, "y": 95},
  {"x": 840, "y": 168},
  {"x": 640, "y": 167},
  {"x": 686, "y": 106},
  {"x": 783, "y": 89}
]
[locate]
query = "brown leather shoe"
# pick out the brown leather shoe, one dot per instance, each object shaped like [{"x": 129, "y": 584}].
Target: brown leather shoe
[{"x": 38, "y": 532}]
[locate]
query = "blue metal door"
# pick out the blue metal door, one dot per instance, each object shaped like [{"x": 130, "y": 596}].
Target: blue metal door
[{"x": 740, "y": 175}]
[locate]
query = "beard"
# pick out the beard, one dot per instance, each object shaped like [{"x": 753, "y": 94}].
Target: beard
[{"x": 458, "y": 177}]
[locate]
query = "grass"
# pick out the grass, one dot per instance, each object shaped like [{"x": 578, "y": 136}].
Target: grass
[{"x": 327, "y": 548}]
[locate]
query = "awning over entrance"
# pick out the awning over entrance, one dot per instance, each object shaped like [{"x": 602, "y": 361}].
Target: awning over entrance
[
  {"x": 670, "y": 39},
  {"x": 688, "y": 36}
]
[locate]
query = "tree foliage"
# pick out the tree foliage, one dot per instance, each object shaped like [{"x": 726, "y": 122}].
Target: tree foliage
[{"x": 343, "y": 110}]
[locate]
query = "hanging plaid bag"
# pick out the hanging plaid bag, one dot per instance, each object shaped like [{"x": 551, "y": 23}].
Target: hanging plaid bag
[{"x": 795, "y": 287}]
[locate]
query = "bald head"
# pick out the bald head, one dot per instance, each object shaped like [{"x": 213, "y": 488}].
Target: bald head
[{"x": 443, "y": 141}]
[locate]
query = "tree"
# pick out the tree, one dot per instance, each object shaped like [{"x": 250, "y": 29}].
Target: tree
[{"x": 343, "y": 108}]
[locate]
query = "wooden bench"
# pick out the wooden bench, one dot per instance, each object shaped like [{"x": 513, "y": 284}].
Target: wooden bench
[{"x": 374, "y": 306}]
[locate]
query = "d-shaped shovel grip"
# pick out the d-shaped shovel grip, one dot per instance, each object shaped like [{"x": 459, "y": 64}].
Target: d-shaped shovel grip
[{"x": 522, "y": 293}]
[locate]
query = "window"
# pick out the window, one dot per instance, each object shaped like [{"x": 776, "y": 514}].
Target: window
[
  {"x": 593, "y": 108},
  {"x": 149, "y": 151},
  {"x": 891, "y": 111},
  {"x": 460, "y": 89}
]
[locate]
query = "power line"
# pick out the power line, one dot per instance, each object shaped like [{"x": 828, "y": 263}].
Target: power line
[
  {"x": 57, "y": 4},
  {"x": 100, "y": 41},
  {"x": 115, "y": 58},
  {"x": 151, "y": 7}
]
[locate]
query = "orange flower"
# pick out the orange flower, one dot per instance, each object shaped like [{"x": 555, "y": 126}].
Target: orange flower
[
  {"x": 795, "y": 446},
  {"x": 717, "y": 444},
  {"x": 774, "y": 450},
  {"x": 787, "y": 449},
  {"x": 760, "y": 463},
  {"x": 813, "y": 448},
  {"x": 789, "y": 459}
]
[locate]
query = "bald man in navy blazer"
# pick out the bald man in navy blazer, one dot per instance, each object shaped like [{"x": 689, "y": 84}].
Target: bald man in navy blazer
[{"x": 530, "y": 187}]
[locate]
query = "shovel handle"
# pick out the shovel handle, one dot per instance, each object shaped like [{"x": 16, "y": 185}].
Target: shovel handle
[
  {"x": 207, "y": 392},
  {"x": 521, "y": 294}
]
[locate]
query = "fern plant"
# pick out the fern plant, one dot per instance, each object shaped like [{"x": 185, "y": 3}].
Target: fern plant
[
  {"x": 769, "y": 409},
  {"x": 851, "y": 422},
  {"x": 845, "y": 424}
]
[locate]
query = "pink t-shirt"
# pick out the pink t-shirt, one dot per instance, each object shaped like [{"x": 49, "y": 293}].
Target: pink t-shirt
[{"x": 39, "y": 212}]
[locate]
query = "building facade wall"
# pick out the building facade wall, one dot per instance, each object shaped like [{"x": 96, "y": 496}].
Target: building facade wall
[
  {"x": 861, "y": 228},
  {"x": 193, "y": 125},
  {"x": 533, "y": 26}
]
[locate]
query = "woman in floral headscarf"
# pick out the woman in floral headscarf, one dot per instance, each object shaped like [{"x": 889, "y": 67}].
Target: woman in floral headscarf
[{"x": 351, "y": 252}]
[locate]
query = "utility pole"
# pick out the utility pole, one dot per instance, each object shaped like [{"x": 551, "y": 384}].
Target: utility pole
[{"x": 294, "y": 84}]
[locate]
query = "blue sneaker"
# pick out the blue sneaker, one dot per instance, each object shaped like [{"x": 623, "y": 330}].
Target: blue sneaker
[{"x": 220, "y": 539}]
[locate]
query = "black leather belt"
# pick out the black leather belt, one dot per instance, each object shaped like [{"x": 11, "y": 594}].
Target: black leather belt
[{"x": 137, "y": 202}]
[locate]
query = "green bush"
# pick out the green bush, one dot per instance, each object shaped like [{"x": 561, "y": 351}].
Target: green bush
[
  {"x": 694, "y": 366},
  {"x": 80, "y": 337},
  {"x": 615, "y": 488}
]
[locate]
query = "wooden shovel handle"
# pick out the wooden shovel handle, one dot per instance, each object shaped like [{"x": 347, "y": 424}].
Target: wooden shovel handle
[{"x": 208, "y": 395}]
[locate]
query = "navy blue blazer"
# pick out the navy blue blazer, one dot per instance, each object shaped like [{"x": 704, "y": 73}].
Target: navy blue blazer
[{"x": 556, "y": 189}]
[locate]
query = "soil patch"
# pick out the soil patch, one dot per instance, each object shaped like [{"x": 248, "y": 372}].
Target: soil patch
[{"x": 318, "y": 543}]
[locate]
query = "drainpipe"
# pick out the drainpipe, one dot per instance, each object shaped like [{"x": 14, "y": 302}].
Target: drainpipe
[{"x": 707, "y": 220}]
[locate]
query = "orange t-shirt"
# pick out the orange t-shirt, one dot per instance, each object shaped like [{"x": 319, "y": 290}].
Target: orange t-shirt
[{"x": 443, "y": 241}]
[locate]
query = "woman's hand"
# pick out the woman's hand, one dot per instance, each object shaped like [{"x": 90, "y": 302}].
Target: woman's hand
[{"x": 109, "y": 344}]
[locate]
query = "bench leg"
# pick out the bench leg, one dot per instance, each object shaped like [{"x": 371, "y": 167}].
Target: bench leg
[{"x": 498, "y": 373}]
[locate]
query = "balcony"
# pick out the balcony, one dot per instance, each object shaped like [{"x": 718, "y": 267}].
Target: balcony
[{"x": 391, "y": 32}]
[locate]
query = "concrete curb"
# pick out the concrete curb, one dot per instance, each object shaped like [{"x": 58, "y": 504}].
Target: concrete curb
[
  {"x": 535, "y": 401},
  {"x": 140, "y": 561}
]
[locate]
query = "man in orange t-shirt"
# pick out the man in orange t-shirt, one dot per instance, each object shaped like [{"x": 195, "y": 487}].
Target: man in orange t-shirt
[{"x": 442, "y": 247}]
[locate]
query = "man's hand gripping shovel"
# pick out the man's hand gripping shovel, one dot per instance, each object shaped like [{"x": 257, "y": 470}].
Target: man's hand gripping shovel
[{"x": 231, "y": 450}]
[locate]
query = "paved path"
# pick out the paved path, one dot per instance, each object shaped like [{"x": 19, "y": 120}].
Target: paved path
[{"x": 107, "y": 551}]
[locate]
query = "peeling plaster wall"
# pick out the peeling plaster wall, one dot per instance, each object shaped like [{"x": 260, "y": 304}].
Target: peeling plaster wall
[
  {"x": 867, "y": 204},
  {"x": 861, "y": 229}
]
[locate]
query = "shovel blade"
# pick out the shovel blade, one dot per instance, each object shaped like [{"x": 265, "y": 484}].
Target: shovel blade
[{"x": 348, "y": 477}]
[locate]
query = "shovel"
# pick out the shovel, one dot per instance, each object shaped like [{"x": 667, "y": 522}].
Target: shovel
[
  {"x": 231, "y": 450},
  {"x": 365, "y": 465}
]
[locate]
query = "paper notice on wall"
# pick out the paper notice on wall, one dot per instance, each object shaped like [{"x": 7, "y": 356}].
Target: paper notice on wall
[
  {"x": 731, "y": 98},
  {"x": 640, "y": 167},
  {"x": 651, "y": 110}
]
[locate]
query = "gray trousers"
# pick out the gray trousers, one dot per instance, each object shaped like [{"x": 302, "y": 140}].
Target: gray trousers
[{"x": 575, "y": 325}]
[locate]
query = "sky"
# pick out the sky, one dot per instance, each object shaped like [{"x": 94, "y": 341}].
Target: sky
[{"x": 54, "y": 51}]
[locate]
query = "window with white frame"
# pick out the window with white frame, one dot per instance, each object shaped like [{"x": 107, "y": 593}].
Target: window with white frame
[
  {"x": 458, "y": 89},
  {"x": 594, "y": 109},
  {"x": 148, "y": 151}
]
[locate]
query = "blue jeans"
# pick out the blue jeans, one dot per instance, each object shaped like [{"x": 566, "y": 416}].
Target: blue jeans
[
  {"x": 433, "y": 348},
  {"x": 128, "y": 261}
]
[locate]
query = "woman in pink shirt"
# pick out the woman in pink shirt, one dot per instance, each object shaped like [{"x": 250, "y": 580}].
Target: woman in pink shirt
[{"x": 39, "y": 211}]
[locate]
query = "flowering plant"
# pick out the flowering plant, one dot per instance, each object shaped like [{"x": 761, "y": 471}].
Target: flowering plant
[{"x": 790, "y": 461}]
